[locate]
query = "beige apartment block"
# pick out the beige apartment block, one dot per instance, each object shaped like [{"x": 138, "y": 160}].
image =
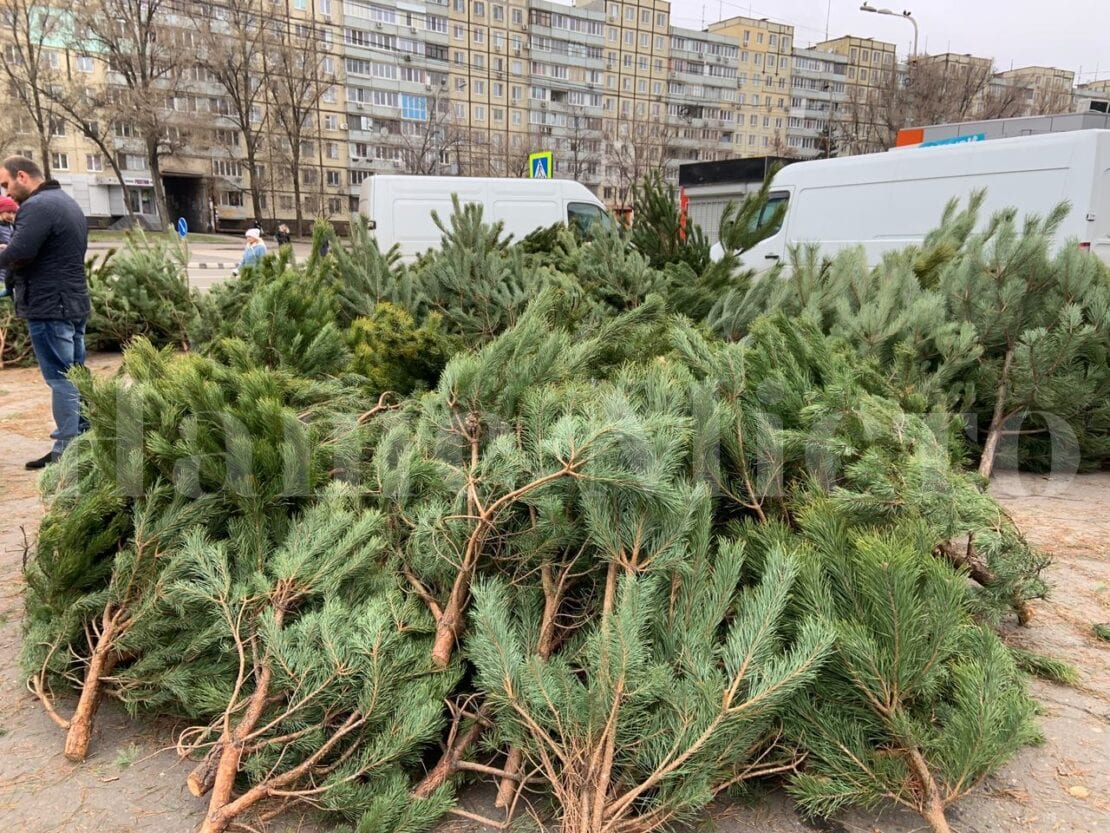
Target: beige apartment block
[
  {"x": 1045, "y": 89},
  {"x": 764, "y": 80}
]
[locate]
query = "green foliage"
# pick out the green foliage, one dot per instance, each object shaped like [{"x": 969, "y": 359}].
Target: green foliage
[
  {"x": 142, "y": 291},
  {"x": 176, "y": 441},
  {"x": 1101, "y": 631},
  {"x": 752, "y": 220},
  {"x": 1045, "y": 667},
  {"x": 642, "y": 564},
  {"x": 657, "y": 232},
  {"x": 15, "y": 341},
  {"x": 918, "y": 704},
  {"x": 396, "y": 355},
  {"x": 475, "y": 281},
  {"x": 990, "y": 324}
]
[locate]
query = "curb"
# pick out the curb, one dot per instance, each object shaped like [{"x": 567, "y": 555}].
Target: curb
[{"x": 230, "y": 265}]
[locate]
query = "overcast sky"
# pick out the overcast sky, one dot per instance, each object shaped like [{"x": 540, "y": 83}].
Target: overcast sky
[{"x": 1065, "y": 33}]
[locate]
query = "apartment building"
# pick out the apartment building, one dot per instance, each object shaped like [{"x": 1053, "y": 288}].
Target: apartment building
[
  {"x": 701, "y": 95},
  {"x": 1045, "y": 89},
  {"x": 868, "y": 74},
  {"x": 1093, "y": 97},
  {"x": 817, "y": 92},
  {"x": 765, "y": 64}
]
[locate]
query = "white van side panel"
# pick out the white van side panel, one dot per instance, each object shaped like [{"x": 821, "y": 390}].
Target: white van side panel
[
  {"x": 401, "y": 206},
  {"x": 890, "y": 200}
]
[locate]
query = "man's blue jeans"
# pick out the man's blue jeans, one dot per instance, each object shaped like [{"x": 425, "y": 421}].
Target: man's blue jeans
[{"x": 59, "y": 345}]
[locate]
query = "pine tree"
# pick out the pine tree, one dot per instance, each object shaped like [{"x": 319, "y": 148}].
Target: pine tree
[
  {"x": 181, "y": 441},
  {"x": 334, "y": 690},
  {"x": 476, "y": 282},
  {"x": 918, "y": 704},
  {"x": 658, "y": 232}
]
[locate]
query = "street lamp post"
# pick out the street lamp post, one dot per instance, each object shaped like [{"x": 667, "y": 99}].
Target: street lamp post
[{"x": 866, "y": 7}]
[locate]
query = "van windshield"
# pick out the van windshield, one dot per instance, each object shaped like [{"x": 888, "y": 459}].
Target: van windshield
[
  {"x": 775, "y": 202},
  {"x": 581, "y": 217}
]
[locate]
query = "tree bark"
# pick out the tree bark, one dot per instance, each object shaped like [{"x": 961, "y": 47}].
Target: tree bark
[
  {"x": 448, "y": 764},
  {"x": 156, "y": 178},
  {"x": 101, "y": 663},
  {"x": 998, "y": 420},
  {"x": 932, "y": 808}
]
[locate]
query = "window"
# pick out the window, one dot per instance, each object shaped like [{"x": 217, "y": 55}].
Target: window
[
  {"x": 479, "y": 9},
  {"x": 84, "y": 63},
  {"x": 498, "y": 12},
  {"x": 773, "y": 40},
  {"x": 300, "y": 5},
  {"x": 57, "y": 127},
  {"x": 479, "y": 88},
  {"x": 518, "y": 16},
  {"x": 479, "y": 35},
  {"x": 414, "y": 107},
  {"x": 331, "y": 122},
  {"x": 865, "y": 56},
  {"x": 458, "y": 33},
  {"x": 94, "y": 162},
  {"x": 226, "y": 167},
  {"x": 331, "y": 150},
  {"x": 479, "y": 113},
  {"x": 335, "y": 205},
  {"x": 59, "y": 161},
  {"x": 661, "y": 20},
  {"x": 232, "y": 199},
  {"x": 333, "y": 178},
  {"x": 310, "y": 176}
]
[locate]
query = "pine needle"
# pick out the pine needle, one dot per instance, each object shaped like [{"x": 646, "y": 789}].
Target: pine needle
[{"x": 1045, "y": 667}]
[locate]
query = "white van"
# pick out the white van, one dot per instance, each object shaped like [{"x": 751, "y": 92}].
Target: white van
[
  {"x": 890, "y": 200},
  {"x": 400, "y": 208}
]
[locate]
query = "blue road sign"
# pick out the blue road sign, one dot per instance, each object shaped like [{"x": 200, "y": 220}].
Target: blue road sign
[
  {"x": 182, "y": 227},
  {"x": 540, "y": 165}
]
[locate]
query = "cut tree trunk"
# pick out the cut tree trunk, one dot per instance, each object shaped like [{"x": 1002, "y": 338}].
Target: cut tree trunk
[
  {"x": 932, "y": 807},
  {"x": 998, "y": 419},
  {"x": 448, "y": 764},
  {"x": 101, "y": 663}
]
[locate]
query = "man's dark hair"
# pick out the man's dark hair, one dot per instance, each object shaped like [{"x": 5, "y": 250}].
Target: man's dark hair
[{"x": 15, "y": 164}]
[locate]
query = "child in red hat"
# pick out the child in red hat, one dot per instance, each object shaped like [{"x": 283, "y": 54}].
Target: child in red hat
[{"x": 8, "y": 207}]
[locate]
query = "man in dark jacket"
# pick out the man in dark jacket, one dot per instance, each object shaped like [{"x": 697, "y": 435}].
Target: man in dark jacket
[{"x": 46, "y": 254}]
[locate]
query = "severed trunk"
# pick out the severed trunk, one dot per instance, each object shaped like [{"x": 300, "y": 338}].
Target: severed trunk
[
  {"x": 101, "y": 663},
  {"x": 932, "y": 807},
  {"x": 998, "y": 419}
]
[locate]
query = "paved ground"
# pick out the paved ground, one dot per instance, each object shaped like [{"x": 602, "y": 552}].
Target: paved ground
[
  {"x": 133, "y": 782},
  {"x": 209, "y": 262}
]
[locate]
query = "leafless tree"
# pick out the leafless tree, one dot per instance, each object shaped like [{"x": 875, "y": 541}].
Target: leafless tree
[
  {"x": 296, "y": 79},
  {"x": 631, "y": 147},
  {"x": 425, "y": 143},
  {"x": 928, "y": 91},
  {"x": 31, "y": 27},
  {"x": 146, "y": 45},
  {"x": 231, "y": 49},
  {"x": 85, "y": 108}
]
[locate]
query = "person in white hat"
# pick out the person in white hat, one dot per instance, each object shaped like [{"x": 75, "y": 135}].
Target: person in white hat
[{"x": 255, "y": 249}]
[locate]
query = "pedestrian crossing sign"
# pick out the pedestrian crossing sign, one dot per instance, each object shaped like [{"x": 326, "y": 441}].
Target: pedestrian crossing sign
[{"x": 540, "y": 165}]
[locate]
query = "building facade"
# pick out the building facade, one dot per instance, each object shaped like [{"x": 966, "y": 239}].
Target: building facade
[{"x": 817, "y": 94}]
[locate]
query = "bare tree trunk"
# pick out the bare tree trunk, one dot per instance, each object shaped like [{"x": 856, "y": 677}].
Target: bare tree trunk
[
  {"x": 103, "y": 659},
  {"x": 998, "y": 420},
  {"x": 156, "y": 178}
]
